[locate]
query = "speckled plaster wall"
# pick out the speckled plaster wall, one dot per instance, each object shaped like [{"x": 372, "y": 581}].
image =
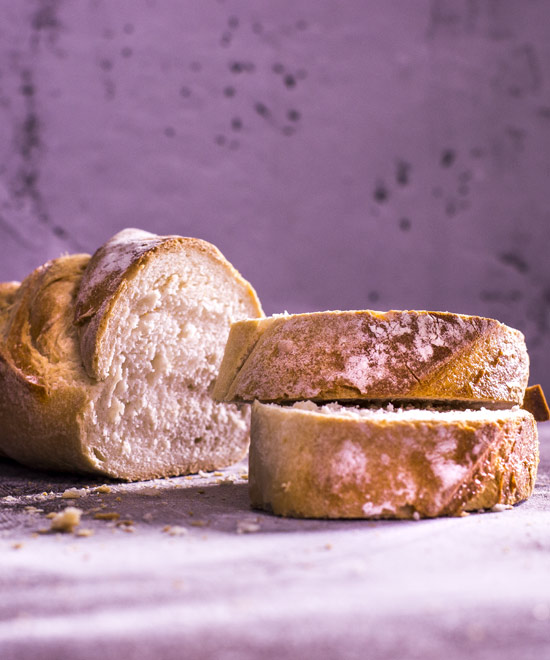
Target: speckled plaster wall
[{"x": 342, "y": 153}]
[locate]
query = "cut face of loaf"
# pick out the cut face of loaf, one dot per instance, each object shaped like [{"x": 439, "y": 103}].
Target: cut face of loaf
[
  {"x": 378, "y": 356},
  {"x": 342, "y": 462},
  {"x": 106, "y": 364}
]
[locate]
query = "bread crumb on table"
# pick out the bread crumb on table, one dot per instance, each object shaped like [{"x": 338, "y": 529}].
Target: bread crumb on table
[
  {"x": 175, "y": 530},
  {"x": 107, "y": 515},
  {"x": 73, "y": 493},
  {"x": 84, "y": 532},
  {"x": 66, "y": 520},
  {"x": 226, "y": 480},
  {"x": 102, "y": 489}
]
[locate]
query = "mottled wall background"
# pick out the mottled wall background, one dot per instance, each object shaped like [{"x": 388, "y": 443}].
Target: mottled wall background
[{"x": 342, "y": 153}]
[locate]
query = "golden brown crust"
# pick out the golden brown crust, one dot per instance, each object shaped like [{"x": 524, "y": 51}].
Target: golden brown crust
[
  {"x": 42, "y": 380},
  {"x": 307, "y": 464},
  {"x": 373, "y": 355},
  {"x": 535, "y": 402},
  {"x": 508, "y": 472}
]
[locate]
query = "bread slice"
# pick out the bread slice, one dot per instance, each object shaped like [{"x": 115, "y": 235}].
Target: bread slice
[
  {"x": 535, "y": 402},
  {"x": 106, "y": 363},
  {"x": 342, "y": 462},
  {"x": 397, "y": 355}
]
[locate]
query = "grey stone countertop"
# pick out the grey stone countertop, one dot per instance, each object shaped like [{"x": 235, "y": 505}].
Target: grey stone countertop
[{"x": 187, "y": 570}]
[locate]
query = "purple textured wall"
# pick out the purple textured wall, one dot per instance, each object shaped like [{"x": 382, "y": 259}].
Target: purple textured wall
[{"x": 342, "y": 154}]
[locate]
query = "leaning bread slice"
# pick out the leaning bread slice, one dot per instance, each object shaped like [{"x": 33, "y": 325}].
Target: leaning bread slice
[
  {"x": 106, "y": 363},
  {"x": 343, "y": 462},
  {"x": 397, "y": 355}
]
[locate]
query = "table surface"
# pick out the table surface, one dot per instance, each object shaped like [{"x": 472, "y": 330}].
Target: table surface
[{"x": 188, "y": 570}]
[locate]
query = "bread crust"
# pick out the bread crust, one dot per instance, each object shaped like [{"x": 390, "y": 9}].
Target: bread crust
[
  {"x": 43, "y": 384},
  {"x": 368, "y": 355},
  {"x": 54, "y": 351},
  {"x": 308, "y": 464}
]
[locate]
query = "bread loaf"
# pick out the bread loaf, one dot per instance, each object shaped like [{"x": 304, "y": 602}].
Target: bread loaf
[
  {"x": 106, "y": 363},
  {"x": 367, "y": 355},
  {"x": 345, "y": 462}
]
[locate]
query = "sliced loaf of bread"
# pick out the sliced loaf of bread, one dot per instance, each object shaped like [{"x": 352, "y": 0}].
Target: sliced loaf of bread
[{"x": 107, "y": 363}]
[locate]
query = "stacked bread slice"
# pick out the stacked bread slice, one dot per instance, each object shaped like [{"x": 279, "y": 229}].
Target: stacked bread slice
[{"x": 365, "y": 414}]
